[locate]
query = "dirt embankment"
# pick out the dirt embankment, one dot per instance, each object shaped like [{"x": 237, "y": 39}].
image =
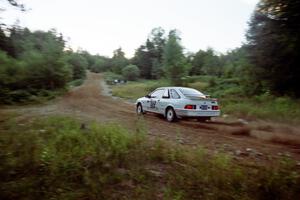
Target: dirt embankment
[{"x": 257, "y": 141}]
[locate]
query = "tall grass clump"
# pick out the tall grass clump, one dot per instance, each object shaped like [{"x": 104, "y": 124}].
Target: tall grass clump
[{"x": 60, "y": 158}]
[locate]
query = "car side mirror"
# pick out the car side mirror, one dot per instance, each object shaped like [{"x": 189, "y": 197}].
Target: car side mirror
[{"x": 148, "y": 96}]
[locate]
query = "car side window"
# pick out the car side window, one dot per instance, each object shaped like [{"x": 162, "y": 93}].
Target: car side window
[
  {"x": 157, "y": 94},
  {"x": 174, "y": 94},
  {"x": 166, "y": 94}
]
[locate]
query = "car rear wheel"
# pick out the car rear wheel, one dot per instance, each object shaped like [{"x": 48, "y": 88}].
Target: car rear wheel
[
  {"x": 139, "y": 109},
  {"x": 171, "y": 115}
]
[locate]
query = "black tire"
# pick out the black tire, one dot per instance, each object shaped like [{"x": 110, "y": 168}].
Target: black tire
[
  {"x": 171, "y": 115},
  {"x": 139, "y": 109}
]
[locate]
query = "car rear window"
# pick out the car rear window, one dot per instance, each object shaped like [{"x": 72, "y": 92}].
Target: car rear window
[
  {"x": 191, "y": 92},
  {"x": 174, "y": 94}
]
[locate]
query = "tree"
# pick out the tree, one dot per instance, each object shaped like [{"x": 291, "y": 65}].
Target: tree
[
  {"x": 274, "y": 46},
  {"x": 42, "y": 56},
  {"x": 101, "y": 64},
  {"x": 173, "y": 59},
  {"x": 11, "y": 72},
  {"x": 79, "y": 65},
  {"x": 91, "y": 59},
  {"x": 157, "y": 38},
  {"x": 212, "y": 64},
  {"x": 197, "y": 62},
  {"x": 6, "y": 43},
  {"x": 143, "y": 60},
  {"x": 148, "y": 57},
  {"x": 47, "y": 73},
  {"x": 118, "y": 61},
  {"x": 236, "y": 62},
  {"x": 131, "y": 72}
]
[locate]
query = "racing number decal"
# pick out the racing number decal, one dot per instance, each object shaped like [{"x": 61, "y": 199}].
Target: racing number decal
[{"x": 152, "y": 104}]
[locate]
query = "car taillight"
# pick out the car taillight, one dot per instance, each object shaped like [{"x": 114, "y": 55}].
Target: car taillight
[
  {"x": 190, "y": 107},
  {"x": 215, "y": 107}
]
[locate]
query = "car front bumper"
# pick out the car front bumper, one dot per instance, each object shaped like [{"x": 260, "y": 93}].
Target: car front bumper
[{"x": 197, "y": 113}]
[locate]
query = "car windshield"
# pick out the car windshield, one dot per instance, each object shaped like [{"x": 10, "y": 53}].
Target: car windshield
[{"x": 191, "y": 92}]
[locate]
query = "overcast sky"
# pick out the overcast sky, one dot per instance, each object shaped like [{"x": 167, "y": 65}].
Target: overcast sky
[{"x": 101, "y": 26}]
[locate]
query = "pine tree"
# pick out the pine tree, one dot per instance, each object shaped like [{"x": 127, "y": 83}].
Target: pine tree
[{"x": 173, "y": 59}]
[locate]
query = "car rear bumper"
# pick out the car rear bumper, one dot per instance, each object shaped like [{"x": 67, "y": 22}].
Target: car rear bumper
[{"x": 197, "y": 113}]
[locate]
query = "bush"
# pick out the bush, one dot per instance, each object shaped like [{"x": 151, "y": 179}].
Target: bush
[
  {"x": 79, "y": 65},
  {"x": 76, "y": 82},
  {"x": 110, "y": 77},
  {"x": 131, "y": 72},
  {"x": 100, "y": 65}
]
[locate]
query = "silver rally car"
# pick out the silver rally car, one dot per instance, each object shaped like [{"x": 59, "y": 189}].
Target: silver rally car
[{"x": 178, "y": 102}]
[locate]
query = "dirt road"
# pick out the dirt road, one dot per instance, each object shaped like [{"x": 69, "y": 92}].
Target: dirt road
[{"x": 254, "y": 141}]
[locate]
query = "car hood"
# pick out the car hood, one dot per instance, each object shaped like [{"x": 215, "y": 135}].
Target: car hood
[{"x": 141, "y": 99}]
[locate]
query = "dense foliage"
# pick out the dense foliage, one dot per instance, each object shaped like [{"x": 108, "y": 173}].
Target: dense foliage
[
  {"x": 131, "y": 72},
  {"x": 35, "y": 63},
  {"x": 274, "y": 46}
]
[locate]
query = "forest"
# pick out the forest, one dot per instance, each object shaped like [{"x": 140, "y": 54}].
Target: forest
[{"x": 36, "y": 63}]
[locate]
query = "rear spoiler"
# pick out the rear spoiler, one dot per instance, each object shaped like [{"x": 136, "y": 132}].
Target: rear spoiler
[
  {"x": 207, "y": 97},
  {"x": 211, "y": 99}
]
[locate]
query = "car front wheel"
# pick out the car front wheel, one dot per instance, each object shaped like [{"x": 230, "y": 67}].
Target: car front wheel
[
  {"x": 139, "y": 109},
  {"x": 170, "y": 115}
]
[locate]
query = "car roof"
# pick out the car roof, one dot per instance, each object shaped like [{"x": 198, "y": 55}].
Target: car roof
[{"x": 173, "y": 88}]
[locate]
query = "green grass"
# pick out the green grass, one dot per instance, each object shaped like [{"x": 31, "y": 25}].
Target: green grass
[
  {"x": 134, "y": 90},
  {"x": 130, "y": 90},
  {"x": 59, "y": 158},
  {"x": 282, "y": 109}
]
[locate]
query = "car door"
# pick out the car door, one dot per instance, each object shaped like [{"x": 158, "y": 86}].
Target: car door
[
  {"x": 146, "y": 102},
  {"x": 155, "y": 99},
  {"x": 175, "y": 99},
  {"x": 163, "y": 102}
]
